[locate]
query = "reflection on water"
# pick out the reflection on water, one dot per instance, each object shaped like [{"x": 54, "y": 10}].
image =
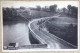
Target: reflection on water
[{"x": 16, "y": 33}]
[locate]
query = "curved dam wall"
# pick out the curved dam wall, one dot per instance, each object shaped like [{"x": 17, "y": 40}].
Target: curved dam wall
[
  {"x": 42, "y": 37},
  {"x": 36, "y": 42},
  {"x": 33, "y": 39}
]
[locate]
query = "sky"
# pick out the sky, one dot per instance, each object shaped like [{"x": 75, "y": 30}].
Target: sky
[{"x": 17, "y": 4}]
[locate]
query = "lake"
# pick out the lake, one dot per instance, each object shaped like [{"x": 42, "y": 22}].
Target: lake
[{"x": 16, "y": 33}]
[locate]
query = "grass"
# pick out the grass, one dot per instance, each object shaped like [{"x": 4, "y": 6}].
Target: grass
[{"x": 64, "y": 27}]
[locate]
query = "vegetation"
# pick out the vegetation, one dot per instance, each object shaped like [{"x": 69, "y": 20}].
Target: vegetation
[
  {"x": 64, "y": 9},
  {"x": 72, "y": 11},
  {"x": 38, "y": 8},
  {"x": 22, "y": 13},
  {"x": 10, "y": 14},
  {"x": 53, "y": 8},
  {"x": 68, "y": 32}
]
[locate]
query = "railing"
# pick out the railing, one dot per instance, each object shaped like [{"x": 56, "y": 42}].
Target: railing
[{"x": 42, "y": 37}]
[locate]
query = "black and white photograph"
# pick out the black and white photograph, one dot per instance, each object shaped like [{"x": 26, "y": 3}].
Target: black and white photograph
[{"x": 39, "y": 25}]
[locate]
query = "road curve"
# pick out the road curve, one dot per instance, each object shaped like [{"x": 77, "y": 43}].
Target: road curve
[{"x": 51, "y": 40}]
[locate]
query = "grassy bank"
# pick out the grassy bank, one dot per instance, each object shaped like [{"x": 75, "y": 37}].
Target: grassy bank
[{"x": 64, "y": 27}]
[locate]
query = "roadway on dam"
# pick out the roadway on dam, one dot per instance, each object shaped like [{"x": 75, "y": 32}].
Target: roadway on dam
[{"x": 51, "y": 40}]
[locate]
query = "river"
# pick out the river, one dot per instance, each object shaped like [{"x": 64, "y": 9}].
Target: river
[{"x": 17, "y": 32}]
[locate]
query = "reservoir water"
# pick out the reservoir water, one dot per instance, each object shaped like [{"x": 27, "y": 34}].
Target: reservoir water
[{"x": 16, "y": 33}]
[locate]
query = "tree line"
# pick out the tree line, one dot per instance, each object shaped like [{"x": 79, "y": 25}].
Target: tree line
[
  {"x": 10, "y": 14},
  {"x": 70, "y": 10},
  {"x": 51, "y": 8}
]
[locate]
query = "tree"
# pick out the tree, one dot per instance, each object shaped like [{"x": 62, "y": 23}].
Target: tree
[
  {"x": 46, "y": 9},
  {"x": 69, "y": 9},
  {"x": 53, "y": 8},
  {"x": 38, "y": 7},
  {"x": 10, "y": 14},
  {"x": 74, "y": 10},
  {"x": 22, "y": 7},
  {"x": 64, "y": 9}
]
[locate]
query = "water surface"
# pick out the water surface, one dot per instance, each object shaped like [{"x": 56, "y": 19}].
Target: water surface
[{"x": 17, "y": 32}]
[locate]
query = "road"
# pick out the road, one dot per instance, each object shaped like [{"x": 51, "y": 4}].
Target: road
[{"x": 51, "y": 40}]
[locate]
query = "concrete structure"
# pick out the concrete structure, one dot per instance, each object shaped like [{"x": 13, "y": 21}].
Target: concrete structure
[{"x": 52, "y": 41}]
